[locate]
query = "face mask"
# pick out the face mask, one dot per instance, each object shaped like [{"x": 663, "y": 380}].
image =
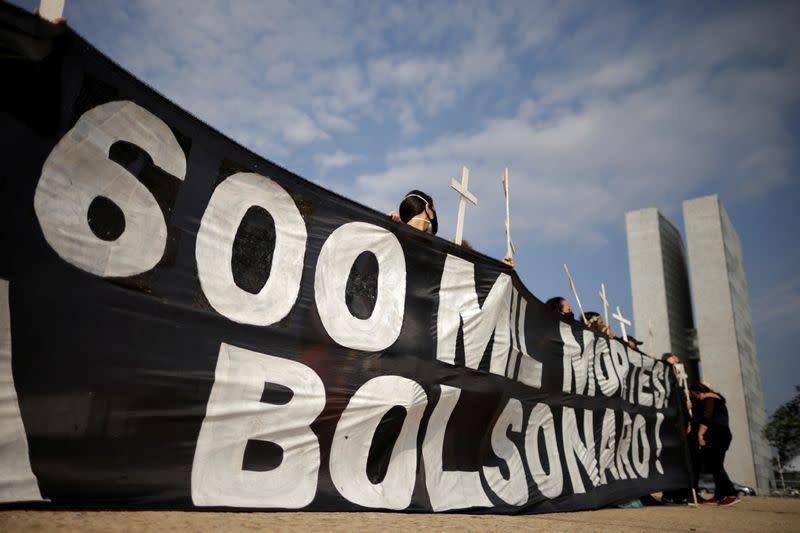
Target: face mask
[{"x": 429, "y": 227}]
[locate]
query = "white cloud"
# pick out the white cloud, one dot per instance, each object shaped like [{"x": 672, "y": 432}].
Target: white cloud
[
  {"x": 596, "y": 109},
  {"x": 337, "y": 159},
  {"x": 601, "y": 137}
]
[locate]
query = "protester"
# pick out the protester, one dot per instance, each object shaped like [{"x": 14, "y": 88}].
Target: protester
[
  {"x": 593, "y": 319},
  {"x": 714, "y": 438},
  {"x": 633, "y": 342},
  {"x": 560, "y": 306},
  {"x": 596, "y": 323},
  {"x": 417, "y": 211}
]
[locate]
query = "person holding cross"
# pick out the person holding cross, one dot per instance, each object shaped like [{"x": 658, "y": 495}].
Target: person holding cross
[
  {"x": 596, "y": 323},
  {"x": 417, "y": 211}
]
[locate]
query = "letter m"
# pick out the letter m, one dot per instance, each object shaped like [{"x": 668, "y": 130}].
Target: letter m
[{"x": 458, "y": 305}]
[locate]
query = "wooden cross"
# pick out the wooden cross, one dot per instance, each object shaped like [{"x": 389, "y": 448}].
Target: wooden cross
[
  {"x": 605, "y": 302},
  {"x": 622, "y": 323},
  {"x": 464, "y": 195},
  {"x": 51, "y": 10},
  {"x": 509, "y": 243},
  {"x": 575, "y": 293}
]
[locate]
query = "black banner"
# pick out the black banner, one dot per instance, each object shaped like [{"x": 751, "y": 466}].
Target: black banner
[{"x": 184, "y": 324}]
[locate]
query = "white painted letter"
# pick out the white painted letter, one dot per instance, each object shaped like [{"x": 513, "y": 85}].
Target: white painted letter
[
  {"x": 550, "y": 483},
  {"x": 645, "y": 397},
  {"x": 659, "y": 396},
  {"x": 336, "y": 258},
  {"x": 530, "y": 368},
  {"x": 236, "y": 414},
  {"x": 659, "y": 421},
  {"x": 230, "y": 202},
  {"x": 641, "y": 447},
  {"x": 451, "y": 489},
  {"x": 17, "y": 481},
  {"x": 577, "y": 363},
  {"x": 573, "y": 446},
  {"x": 78, "y": 170},
  {"x": 353, "y": 439},
  {"x": 624, "y": 448},
  {"x": 608, "y": 379},
  {"x": 458, "y": 302},
  {"x": 514, "y": 490},
  {"x": 608, "y": 448}
]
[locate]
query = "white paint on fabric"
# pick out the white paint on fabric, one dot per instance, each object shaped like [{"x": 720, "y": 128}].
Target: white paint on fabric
[
  {"x": 17, "y": 481},
  {"x": 448, "y": 489},
  {"x": 78, "y": 170},
  {"x": 604, "y": 369},
  {"x": 353, "y": 439},
  {"x": 644, "y": 394},
  {"x": 530, "y": 368},
  {"x": 458, "y": 302},
  {"x": 514, "y": 490},
  {"x": 541, "y": 420},
  {"x": 608, "y": 448},
  {"x": 659, "y": 421},
  {"x": 335, "y": 261},
  {"x": 623, "y": 449},
  {"x": 578, "y": 364},
  {"x": 230, "y": 202},
  {"x": 640, "y": 447},
  {"x": 235, "y": 414},
  {"x": 583, "y": 450}
]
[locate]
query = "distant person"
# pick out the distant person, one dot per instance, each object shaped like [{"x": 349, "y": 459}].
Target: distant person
[
  {"x": 417, "y": 211},
  {"x": 633, "y": 342},
  {"x": 714, "y": 438},
  {"x": 596, "y": 323},
  {"x": 560, "y": 306}
]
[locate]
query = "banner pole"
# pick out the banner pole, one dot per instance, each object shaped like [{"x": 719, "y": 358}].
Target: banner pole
[
  {"x": 509, "y": 244},
  {"x": 575, "y": 293}
]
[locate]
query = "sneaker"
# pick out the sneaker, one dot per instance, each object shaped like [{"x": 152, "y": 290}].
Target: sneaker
[
  {"x": 729, "y": 500},
  {"x": 632, "y": 504}
]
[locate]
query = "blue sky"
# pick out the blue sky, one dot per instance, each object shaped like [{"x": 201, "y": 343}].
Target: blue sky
[{"x": 597, "y": 108}]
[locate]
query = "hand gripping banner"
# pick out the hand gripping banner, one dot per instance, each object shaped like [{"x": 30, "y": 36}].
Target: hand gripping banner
[{"x": 184, "y": 324}]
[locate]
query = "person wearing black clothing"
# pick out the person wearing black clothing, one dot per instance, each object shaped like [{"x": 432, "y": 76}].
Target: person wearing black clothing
[
  {"x": 714, "y": 437},
  {"x": 417, "y": 211},
  {"x": 560, "y": 306}
]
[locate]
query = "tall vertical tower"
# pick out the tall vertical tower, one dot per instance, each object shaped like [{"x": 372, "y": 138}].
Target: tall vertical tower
[
  {"x": 660, "y": 285},
  {"x": 725, "y": 335}
]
